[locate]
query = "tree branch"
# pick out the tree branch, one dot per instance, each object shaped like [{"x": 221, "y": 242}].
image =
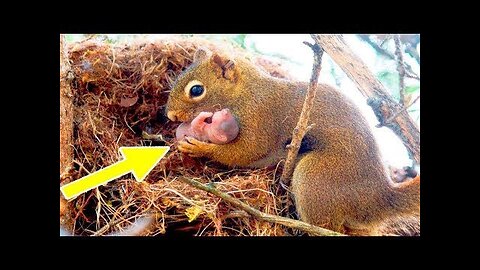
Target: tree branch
[
  {"x": 389, "y": 120},
  {"x": 66, "y": 132},
  {"x": 302, "y": 124},
  {"x": 292, "y": 223},
  {"x": 381, "y": 102},
  {"x": 400, "y": 69},
  {"x": 66, "y": 111},
  {"x": 377, "y": 48},
  {"x": 409, "y": 71}
]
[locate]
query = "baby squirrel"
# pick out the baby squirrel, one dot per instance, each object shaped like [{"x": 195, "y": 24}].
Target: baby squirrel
[
  {"x": 339, "y": 181},
  {"x": 222, "y": 127}
]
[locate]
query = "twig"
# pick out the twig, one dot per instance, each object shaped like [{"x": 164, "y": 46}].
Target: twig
[
  {"x": 408, "y": 69},
  {"x": 385, "y": 39},
  {"x": 381, "y": 102},
  {"x": 412, "y": 76},
  {"x": 302, "y": 124},
  {"x": 375, "y": 46},
  {"x": 400, "y": 69},
  {"x": 113, "y": 61},
  {"x": 66, "y": 132},
  {"x": 292, "y": 223},
  {"x": 87, "y": 37},
  {"x": 66, "y": 110},
  {"x": 153, "y": 137},
  {"x": 389, "y": 120}
]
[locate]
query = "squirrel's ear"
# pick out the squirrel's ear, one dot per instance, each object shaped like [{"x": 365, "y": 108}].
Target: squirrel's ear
[
  {"x": 226, "y": 66},
  {"x": 201, "y": 54}
]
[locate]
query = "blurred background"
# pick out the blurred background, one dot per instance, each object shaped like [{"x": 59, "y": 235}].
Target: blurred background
[{"x": 377, "y": 51}]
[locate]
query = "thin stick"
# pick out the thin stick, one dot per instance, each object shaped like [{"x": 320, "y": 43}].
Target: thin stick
[
  {"x": 389, "y": 120},
  {"x": 400, "y": 69},
  {"x": 66, "y": 132},
  {"x": 408, "y": 69},
  {"x": 292, "y": 223},
  {"x": 302, "y": 124}
]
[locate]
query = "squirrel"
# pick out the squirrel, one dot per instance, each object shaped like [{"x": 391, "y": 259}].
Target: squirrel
[
  {"x": 220, "y": 127},
  {"x": 339, "y": 181}
]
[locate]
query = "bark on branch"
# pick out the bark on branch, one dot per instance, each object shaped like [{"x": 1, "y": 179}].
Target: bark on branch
[
  {"x": 66, "y": 111},
  {"x": 381, "y": 102},
  {"x": 400, "y": 69},
  {"x": 302, "y": 125},
  {"x": 66, "y": 132},
  {"x": 292, "y": 223}
]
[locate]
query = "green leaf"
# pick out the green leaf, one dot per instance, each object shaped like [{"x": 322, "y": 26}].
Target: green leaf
[
  {"x": 383, "y": 74},
  {"x": 240, "y": 40},
  {"x": 412, "y": 89},
  {"x": 388, "y": 77},
  {"x": 390, "y": 80},
  {"x": 69, "y": 38}
]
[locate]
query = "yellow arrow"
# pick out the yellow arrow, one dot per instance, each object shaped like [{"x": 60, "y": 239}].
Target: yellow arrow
[{"x": 137, "y": 160}]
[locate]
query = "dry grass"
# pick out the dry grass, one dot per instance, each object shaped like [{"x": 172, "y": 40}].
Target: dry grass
[{"x": 119, "y": 97}]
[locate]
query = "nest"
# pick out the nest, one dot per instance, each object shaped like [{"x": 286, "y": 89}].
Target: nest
[{"x": 119, "y": 96}]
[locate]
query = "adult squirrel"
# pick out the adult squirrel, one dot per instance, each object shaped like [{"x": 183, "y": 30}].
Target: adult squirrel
[{"x": 339, "y": 181}]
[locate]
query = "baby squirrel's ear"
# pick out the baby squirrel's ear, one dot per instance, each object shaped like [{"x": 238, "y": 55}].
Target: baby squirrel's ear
[
  {"x": 225, "y": 66},
  {"x": 201, "y": 54}
]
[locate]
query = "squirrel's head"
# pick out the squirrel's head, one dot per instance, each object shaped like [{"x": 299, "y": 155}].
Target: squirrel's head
[{"x": 207, "y": 85}]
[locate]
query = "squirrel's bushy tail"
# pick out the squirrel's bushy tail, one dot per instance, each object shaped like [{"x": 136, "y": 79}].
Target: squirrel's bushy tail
[
  {"x": 402, "y": 215},
  {"x": 407, "y": 197}
]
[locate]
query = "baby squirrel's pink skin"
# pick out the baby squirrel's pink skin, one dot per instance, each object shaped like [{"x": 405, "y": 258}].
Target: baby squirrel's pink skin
[{"x": 223, "y": 128}]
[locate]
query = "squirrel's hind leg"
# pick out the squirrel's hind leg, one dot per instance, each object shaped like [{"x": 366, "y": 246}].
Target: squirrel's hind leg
[
  {"x": 316, "y": 202},
  {"x": 330, "y": 192}
]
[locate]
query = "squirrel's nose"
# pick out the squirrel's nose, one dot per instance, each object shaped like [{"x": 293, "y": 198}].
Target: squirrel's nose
[{"x": 172, "y": 116}]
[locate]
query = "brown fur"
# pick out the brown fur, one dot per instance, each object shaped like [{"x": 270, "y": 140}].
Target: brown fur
[{"x": 340, "y": 183}]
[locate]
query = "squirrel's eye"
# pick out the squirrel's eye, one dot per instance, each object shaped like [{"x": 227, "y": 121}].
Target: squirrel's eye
[{"x": 196, "y": 90}]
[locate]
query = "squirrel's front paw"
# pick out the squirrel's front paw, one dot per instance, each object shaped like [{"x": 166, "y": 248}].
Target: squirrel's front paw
[{"x": 195, "y": 148}]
